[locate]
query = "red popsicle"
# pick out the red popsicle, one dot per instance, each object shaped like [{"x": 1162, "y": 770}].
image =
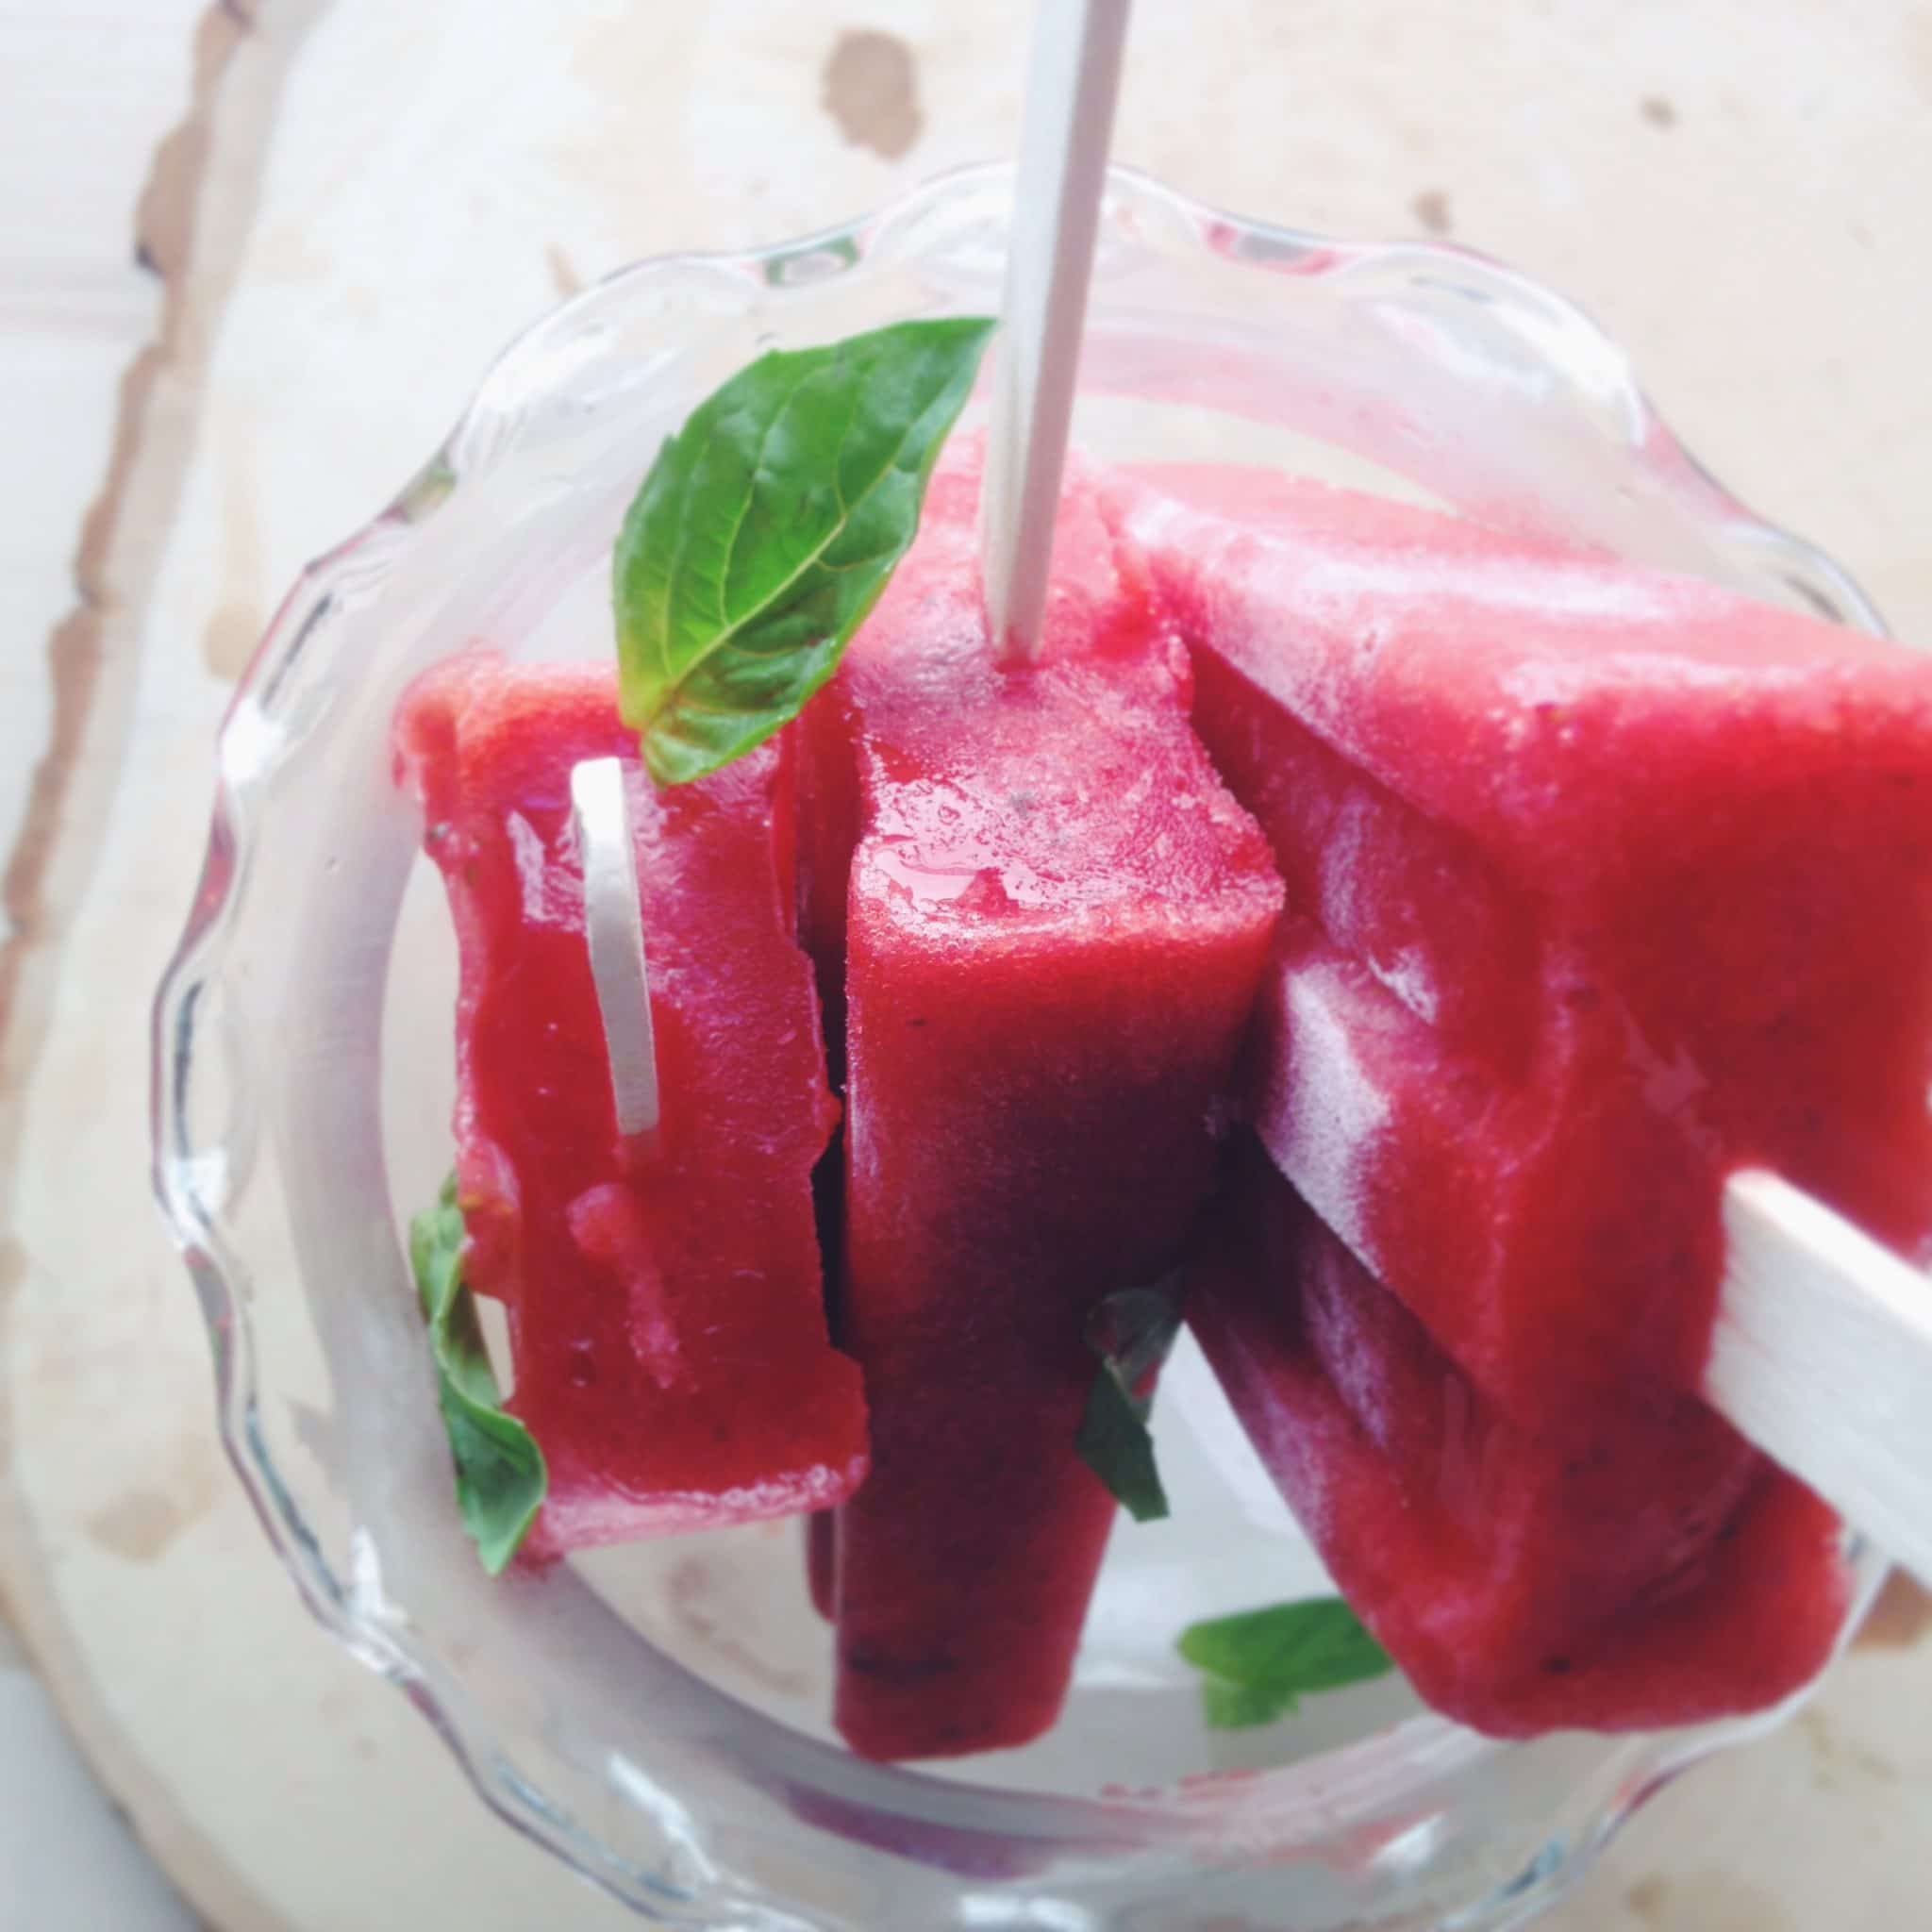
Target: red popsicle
[
  {"x": 1637, "y": 1566},
  {"x": 666, "y": 1318},
  {"x": 1057, "y": 918},
  {"x": 1603, "y": 883}
]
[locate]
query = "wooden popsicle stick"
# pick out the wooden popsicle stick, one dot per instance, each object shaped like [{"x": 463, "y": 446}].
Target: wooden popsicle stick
[
  {"x": 614, "y": 932},
  {"x": 1071, "y": 90},
  {"x": 1823, "y": 1357}
]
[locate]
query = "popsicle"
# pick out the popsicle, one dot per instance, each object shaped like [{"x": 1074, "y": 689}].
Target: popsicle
[
  {"x": 663, "y": 1291},
  {"x": 1603, "y": 885},
  {"x": 1638, "y": 1565},
  {"x": 1057, "y": 922}
]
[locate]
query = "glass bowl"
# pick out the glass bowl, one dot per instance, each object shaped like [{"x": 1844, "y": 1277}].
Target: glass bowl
[{"x": 656, "y": 1716}]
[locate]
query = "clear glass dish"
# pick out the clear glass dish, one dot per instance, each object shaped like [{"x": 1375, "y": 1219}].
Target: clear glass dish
[{"x": 656, "y": 1716}]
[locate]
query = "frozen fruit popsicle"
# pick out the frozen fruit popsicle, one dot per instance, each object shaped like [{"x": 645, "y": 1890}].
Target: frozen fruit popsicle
[
  {"x": 1635, "y": 1566},
  {"x": 1057, "y": 918},
  {"x": 1602, "y": 884},
  {"x": 664, "y": 1301}
]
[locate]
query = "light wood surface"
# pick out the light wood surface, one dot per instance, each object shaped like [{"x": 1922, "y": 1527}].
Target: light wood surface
[
  {"x": 370, "y": 200},
  {"x": 75, "y": 309}
]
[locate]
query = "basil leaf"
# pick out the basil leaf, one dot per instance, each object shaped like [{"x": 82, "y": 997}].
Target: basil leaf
[
  {"x": 1261, "y": 1663},
  {"x": 1240, "y": 1706},
  {"x": 1131, "y": 1332},
  {"x": 501, "y": 1475},
  {"x": 767, "y": 529}
]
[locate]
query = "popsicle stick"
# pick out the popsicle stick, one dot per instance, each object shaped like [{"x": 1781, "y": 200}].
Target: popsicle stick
[
  {"x": 1823, "y": 1357},
  {"x": 614, "y": 931},
  {"x": 1071, "y": 91}
]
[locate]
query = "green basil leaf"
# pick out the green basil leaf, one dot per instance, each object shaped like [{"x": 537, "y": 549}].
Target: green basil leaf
[
  {"x": 501, "y": 1475},
  {"x": 1131, "y": 1332},
  {"x": 1261, "y": 1663},
  {"x": 767, "y": 529},
  {"x": 1241, "y": 1706}
]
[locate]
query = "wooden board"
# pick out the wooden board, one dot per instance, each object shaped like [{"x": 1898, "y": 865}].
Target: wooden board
[{"x": 368, "y": 200}]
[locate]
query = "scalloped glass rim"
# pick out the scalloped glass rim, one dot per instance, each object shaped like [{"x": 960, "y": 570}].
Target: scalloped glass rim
[{"x": 1555, "y": 346}]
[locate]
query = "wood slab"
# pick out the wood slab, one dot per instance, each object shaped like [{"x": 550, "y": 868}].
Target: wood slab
[{"x": 366, "y": 202}]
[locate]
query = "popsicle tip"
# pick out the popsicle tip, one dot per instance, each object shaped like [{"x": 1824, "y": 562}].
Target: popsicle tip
[{"x": 614, "y": 934}]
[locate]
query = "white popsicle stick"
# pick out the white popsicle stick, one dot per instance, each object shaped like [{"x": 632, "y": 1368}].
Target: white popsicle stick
[
  {"x": 1071, "y": 90},
  {"x": 614, "y": 931},
  {"x": 1823, "y": 1357}
]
